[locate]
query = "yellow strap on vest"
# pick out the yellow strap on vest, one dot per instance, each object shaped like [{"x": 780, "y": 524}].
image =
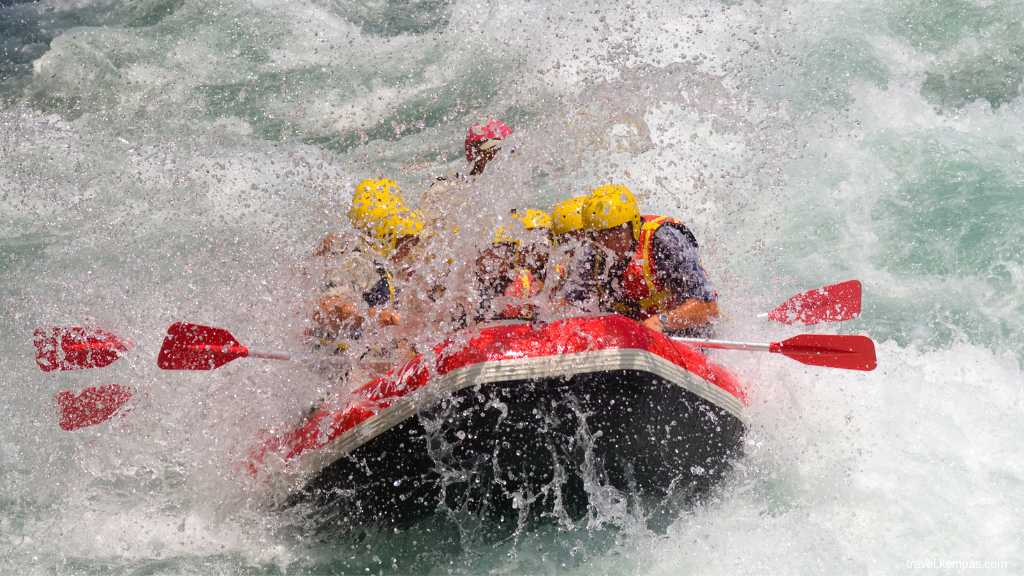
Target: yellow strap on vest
[
  {"x": 656, "y": 297},
  {"x": 391, "y": 286},
  {"x": 524, "y": 281}
]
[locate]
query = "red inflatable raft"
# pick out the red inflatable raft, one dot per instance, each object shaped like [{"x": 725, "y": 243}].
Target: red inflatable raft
[{"x": 517, "y": 419}]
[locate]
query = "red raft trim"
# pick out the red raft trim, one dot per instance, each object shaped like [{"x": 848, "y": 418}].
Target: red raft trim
[{"x": 495, "y": 354}]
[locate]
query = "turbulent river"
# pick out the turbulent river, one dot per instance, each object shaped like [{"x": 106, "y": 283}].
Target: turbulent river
[{"x": 166, "y": 160}]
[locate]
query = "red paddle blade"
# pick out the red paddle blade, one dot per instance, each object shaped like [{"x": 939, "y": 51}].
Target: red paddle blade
[
  {"x": 75, "y": 348},
  {"x": 834, "y": 303},
  {"x": 92, "y": 406},
  {"x": 195, "y": 347},
  {"x": 849, "y": 352}
]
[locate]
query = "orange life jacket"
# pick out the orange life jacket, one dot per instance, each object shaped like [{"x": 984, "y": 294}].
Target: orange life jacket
[
  {"x": 644, "y": 295},
  {"x": 561, "y": 272},
  {"x": 523, "y": 287}
]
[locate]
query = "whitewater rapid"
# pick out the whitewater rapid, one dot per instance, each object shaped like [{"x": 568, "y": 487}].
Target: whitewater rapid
[{"x": 173, "y": 160}]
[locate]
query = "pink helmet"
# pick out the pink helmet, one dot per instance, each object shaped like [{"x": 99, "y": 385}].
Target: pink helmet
[{"x": 481, "y": 136}]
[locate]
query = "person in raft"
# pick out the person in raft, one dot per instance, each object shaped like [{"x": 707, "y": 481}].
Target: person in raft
[
  {"x": 510, "y": 270},
  {"x": 649, "y": 266},
  {"x": 483, "y": 143},
  {"x": 568, "y": 241},
  {"x": 534, "y": 234},
  {"x": 449, "y": 198},
  {"x": 363, "y": 283}
]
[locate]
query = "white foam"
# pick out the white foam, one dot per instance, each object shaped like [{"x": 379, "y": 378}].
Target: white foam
[
  {"x": 151, "y": 205},
  {"x": 878, "y": 472}
]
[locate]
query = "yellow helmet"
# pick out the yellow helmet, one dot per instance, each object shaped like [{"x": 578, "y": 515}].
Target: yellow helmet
[
  {"x": 567, "y": 216},
  {"x": 609, "y": 206},
  {"x": 503, "y": 236},
  {"x": 387, "y": 231},
  {"x": 410, "y": 225},
  {"x": 374, "y": 200},
  {"x": 384, "y": 187},
  {"x": 379, "y": 212},
  {"x": 524, "y": 221},
  {"x": 533, "y": 219}
]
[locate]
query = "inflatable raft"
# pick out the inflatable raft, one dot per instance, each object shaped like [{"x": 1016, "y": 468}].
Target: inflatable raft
[{"x": 517, "y": 419}]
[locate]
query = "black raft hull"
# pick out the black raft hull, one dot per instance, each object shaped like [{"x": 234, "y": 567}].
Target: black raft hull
[
  {"x": 643, "y": 431},
  {"x": 535, "y": 448}
]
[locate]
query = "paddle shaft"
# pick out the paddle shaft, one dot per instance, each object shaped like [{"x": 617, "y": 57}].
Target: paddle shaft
[
  {"x": 246, "y": 352},
  {"x": 270, "y": 355},
  {"x": 726, "y": 344}
]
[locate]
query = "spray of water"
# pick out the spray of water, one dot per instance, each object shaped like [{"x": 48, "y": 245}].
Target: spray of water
[{"x": 178, "y": 160}]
